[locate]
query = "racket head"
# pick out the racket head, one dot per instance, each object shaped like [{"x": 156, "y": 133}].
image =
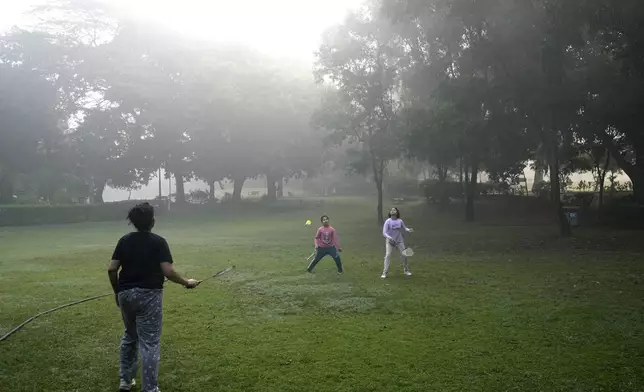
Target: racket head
[
  {"x": 408, "y": 252},
  {"x": 224, "y": 271},
  {"x": 218, "y": 273}
]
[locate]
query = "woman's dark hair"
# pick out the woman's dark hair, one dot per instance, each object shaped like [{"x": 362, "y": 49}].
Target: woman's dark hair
[
  {"x": 141, "y": 216},
  {"x": 324, "y": 216},
  {"x": 397, "y": 212}
]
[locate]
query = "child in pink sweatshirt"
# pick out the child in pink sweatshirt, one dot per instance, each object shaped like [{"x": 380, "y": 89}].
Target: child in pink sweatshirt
[{"x": 326, "y": 243}]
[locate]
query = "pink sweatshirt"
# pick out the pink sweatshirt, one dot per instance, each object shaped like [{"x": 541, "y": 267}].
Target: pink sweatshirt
[{"x": 326, "y": 237}]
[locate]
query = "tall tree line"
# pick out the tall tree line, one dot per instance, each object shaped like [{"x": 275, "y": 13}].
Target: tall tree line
[
  {"x": 92, "y": 100},
  {"x": 472, "y": 86},
  {"x": 488, "y": 85}
]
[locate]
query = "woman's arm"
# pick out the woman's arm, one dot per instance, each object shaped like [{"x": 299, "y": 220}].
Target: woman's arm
[
  {"x": 113, "y": 269},
  {"x": 113, "y": 273},
  {"x": 173, "y": 276},
  {"x": 165, "y": 259}
]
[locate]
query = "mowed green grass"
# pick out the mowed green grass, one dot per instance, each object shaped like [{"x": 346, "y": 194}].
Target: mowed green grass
[{"x": 489, "y": 308}]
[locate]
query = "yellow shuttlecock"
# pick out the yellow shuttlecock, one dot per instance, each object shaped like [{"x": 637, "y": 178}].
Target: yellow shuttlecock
[{"x": 308, "y": 223}]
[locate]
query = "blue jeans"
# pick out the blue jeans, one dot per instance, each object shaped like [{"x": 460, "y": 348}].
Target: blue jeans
[
  {"x": 321, "y": 253},
  {"x": 142, "y": 314}
]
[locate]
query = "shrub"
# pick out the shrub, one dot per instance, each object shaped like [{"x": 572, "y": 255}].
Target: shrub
[
  {"x": 436, "y": 191},
  {"x": 198, "y": 196},
  {"x": 23, "y": 215},
  {"x": 352, "y": 186},
  {"x": 401, "y": 187},
  {"x": 228, "y": 197},
  {"x": 542, "y": 189},
  {"x": 579, "y": 199},
  {"x": 623, "y": 214}
]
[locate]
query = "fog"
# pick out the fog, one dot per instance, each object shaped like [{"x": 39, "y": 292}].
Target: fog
[
  {"x": 293, "y": 98},
  {"x": 496, "y": 146},
  {"x": 283, "y": 28}
]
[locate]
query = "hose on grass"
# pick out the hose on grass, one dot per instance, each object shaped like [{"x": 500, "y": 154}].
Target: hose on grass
[{"x": 6, "y": 336}]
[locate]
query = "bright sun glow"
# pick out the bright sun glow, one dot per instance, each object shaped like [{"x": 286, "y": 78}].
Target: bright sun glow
[
  {"x": 284, "y": 27},
  {"x": 281, "y": 27}
]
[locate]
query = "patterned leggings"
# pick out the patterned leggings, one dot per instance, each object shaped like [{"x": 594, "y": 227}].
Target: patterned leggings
[{"x": 142, "y": 316}]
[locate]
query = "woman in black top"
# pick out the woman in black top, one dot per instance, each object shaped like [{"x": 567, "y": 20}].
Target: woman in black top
[{"x": 140, "y": 264}]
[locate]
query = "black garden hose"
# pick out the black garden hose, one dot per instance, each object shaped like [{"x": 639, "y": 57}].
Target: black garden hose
[{"x": 6, "y": 336}]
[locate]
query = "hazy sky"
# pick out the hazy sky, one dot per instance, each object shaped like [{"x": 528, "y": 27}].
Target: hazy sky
[{"x": 282, "y": 27}]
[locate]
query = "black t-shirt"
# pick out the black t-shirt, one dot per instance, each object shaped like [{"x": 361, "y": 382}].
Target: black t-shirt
[{"x": 141, "y": 255}]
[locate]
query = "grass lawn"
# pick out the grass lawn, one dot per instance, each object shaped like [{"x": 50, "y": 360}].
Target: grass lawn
[{"x": 489, "y": 307}]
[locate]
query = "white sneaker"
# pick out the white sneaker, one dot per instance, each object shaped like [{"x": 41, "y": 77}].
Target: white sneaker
[
  {"x": 383, "y": 276},
  {"x": 123, "y": 386},
  {"x": 407, "y": 273}
]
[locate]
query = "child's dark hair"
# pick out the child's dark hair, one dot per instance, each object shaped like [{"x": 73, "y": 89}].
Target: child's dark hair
[
  {"x": 397, "y": 212},
  {"x": 324, "y": 216},
  {"x": 141, "y": 216}
]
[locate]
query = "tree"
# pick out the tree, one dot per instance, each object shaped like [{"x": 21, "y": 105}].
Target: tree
[
  {"x": 612, "y": 63},
  {"x": 155, "y": 84},
  {"x": 598, "y": 161},
  {"x": 119, "y": 99},
  {"x": 547, "y": 92},
  {"x": 60, "y": 54},
  {"x": 359, "y": 60},
  {"x": 434, "y": 135},
  {"x": 293, "y": 142},
  {"x": 208, "y": 162},
  {"x": 27, "y": 119},
  {"x": 109, "y": 151},
  {"x": 454, "y": 83}
]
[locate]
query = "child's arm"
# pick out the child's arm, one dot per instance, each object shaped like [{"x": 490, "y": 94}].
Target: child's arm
[
  {"x": 336, "y": 242},
  {"x": 316, "y": 239},
  {"x": 408, "y": 230},
  {"x": 385, "y": 231}
]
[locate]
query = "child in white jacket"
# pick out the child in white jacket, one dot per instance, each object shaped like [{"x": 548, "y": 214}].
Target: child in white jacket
[{"x": 393, "y": 232}]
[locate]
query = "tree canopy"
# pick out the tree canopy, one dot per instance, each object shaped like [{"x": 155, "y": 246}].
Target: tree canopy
[{"x": 467, "y": 86}]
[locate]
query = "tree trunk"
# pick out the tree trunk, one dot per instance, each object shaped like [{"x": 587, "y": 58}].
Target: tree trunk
[
  {"x": 271, "y": 189},
  {"x": 98, "y": 194},
  {"x": 381, "y": 218},
  {"x": 442, "y": 186},
  {"x": 555, "y": 191},
  {"x": 378, "y": 172},
  {"x": 280, "y": 188},
  {"x": 638, "y": 188},
  {"x": 442, "y": 173},
  {"x": 159, "y": 178},
  {"x": 180, "y": 193},
  {"x": 238, "y": 185},
  {"x": 48, "y": 191},
  {"x": 612, "y": 179},
  {"x": 471, "y": 193},
  {"x": 634, "y": 172},
  {"x": 602, "y": 181},
  {"x": 211, "y": 190},
  {"x": 538, "y": 178},
  {"x": 6, "y": 187},
  {"x": 638, "y": 176},
  {"x": 99, "y": 188},
  {"x": 462, "y": 178}
]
